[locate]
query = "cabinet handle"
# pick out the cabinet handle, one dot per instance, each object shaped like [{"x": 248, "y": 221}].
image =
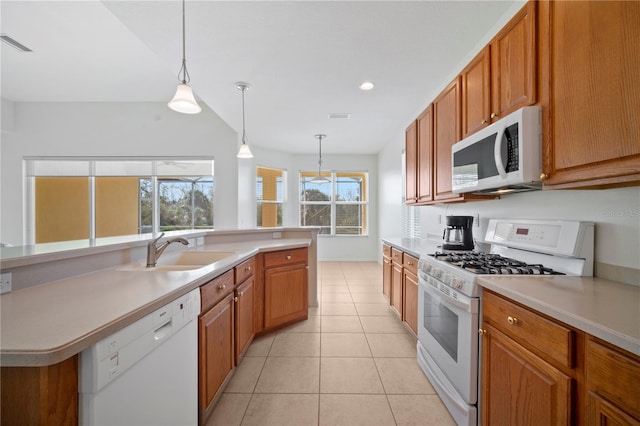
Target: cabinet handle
[
  {"x": 482, "y": 332},
  {"x": 248, "y": 268},
  {"x": 235, "y": 299},
  {"x": 307, "y": 267},
  {"x": 222, "y": 286},
  {"x": 484, "y": 122},
  {"x": 241, "y": 293},
  {"x": 410, "y": 263},
  {"x": 544, "y": 176},
  {"x": 512, "y": 320},
  {"x": 288, "y": 257},
  {"x": 494, "y": 115}
]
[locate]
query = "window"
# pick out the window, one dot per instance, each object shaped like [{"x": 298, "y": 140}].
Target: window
[
  {"x": 270, "y": 190},
  {"x": 338, "y": 207},
  {"x": 88, "y": 198}
]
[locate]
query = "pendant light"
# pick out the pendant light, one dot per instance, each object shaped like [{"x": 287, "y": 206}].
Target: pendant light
[
  {"x": 184, "y": 101},
  {"x": 244, "y": 152},
  {"x": 320, "y": 179}
]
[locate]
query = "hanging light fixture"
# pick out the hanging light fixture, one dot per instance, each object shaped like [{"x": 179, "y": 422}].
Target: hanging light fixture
[
  {"x": 244, "y": 152},
  {"x": 319, "y": 178},
  {"x": 184, "y": 101}
]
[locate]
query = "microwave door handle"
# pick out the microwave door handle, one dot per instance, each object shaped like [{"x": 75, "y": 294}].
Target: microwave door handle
[{"x": 497, "y": 151}]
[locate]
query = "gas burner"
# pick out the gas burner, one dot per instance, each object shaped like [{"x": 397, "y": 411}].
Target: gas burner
[{"x": 493, "y": 264}]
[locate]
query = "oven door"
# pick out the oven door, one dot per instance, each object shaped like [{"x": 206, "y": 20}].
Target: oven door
[{"x": 448, "y": 332}]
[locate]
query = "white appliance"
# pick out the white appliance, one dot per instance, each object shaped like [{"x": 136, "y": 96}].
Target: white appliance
[
  {"x": 503, "y": 157},
  {"x": 449, "y": 297},
  {"x": 146, "y": 373}
]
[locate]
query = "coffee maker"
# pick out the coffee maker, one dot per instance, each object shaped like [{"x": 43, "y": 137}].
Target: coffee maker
[{"x": 458, "y": 235}]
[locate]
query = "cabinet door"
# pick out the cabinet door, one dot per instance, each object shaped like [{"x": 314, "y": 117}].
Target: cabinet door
[
  {"x": 424, "y": 165},
  {"x": 215, "y": 347},
  {"x": 592, "y": 130},
  {"x": 601, "y": 412},
  {"x": 476, "y": 93},
  {"x": 244, "y": 316},
  {"x": 285, "y": 295},
  {"x": 396, "y": 288},
  {"x": 411, "y": 159},
  {"x": 386, "y": 277},
  {"x": 513, "y": 63},
  {"x": 446, "y": 132},
  {"x": 518, "y": 387},
  {"x": 411, "y": 301}
]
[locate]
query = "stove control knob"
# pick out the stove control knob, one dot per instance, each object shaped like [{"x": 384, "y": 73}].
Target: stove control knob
[
  {"x": 457, "y": 283},
  {"x": 446, "y": 278}
]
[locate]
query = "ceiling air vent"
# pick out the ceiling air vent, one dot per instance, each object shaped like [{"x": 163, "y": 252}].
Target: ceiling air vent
[
  {"x": 337, "y": 115},
  {"x": 16, "y": 45}
]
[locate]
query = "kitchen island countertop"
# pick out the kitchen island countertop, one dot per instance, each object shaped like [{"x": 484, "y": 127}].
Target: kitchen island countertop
[{"x": 48, "y": 323}]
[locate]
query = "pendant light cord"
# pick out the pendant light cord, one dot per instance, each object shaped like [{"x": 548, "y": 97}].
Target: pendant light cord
[
  {"x": 183, "y": 69},
  {"x": 244, "y": 135}
]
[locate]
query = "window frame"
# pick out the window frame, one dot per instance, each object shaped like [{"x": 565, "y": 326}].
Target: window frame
[
  {"x": 333, "y": 201},
  {"x": 281, "y": 203}
]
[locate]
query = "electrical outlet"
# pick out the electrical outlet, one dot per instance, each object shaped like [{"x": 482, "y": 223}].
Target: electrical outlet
[
  {"x": 476, "y": 220},
  {"x": 5, "y": 282},
  {"x": 199, "y": 241},
  {"x": 439, "y": 219},
  {"x": 277, "y": 235}
]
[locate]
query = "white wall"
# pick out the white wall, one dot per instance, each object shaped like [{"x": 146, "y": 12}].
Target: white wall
[{"x": 111, "y": 129}]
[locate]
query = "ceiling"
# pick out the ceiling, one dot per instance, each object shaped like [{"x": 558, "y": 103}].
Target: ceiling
[{"x": 303, "y": 60}]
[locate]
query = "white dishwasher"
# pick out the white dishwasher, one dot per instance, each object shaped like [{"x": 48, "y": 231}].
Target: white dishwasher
[{"x": 146, "y": 373}]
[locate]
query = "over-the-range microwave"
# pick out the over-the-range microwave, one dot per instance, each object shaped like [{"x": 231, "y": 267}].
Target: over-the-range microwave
[{"x": 503, "y": 157}]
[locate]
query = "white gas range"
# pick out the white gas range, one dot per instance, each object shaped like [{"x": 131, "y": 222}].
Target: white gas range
[{"x": 449, "y": 297}]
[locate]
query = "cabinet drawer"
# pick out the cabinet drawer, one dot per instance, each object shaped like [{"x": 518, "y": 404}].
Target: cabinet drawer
[
  {"x": 386, "y": 250},
  {"x": 555, "y": 341},
  {"x": 285, "y": 257},
  {"x": 614, "y": 376},
  {"x": 410, "y": 263},
  {"x": 213, "y": 291},
  {"x": 245, "y": 270},
  {"x": 396, "y": 256}
]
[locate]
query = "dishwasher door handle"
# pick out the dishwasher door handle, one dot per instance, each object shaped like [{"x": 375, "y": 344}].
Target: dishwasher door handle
[{"x": 164, "y": 330}]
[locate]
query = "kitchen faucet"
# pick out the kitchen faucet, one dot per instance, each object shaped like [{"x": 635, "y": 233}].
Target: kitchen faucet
[{"x": 154, "y": 252}]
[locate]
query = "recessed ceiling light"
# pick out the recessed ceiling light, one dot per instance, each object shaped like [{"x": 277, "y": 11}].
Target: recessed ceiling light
[
  {"x": 336, "y": 115},
  {"x": 367, "y": 85}
]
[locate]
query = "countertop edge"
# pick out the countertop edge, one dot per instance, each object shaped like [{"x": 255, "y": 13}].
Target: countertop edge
[{"x": 41, "y": 358}]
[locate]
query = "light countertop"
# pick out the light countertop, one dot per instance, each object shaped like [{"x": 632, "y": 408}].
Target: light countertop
[
  {"x": 47, "y": 323},
  {"x": 605, "y": 309}
]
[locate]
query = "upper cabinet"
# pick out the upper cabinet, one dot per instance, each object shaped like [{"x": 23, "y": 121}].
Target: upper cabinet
[
  {"x": 591, "y": 63},
  {"x": 411, "y": 163},
  {"x": 446, "y": 132},
  {"x": 502, "y": 77},
  {"x": 418, "y": 158}
]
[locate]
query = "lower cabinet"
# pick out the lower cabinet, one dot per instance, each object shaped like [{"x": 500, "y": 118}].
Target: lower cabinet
[
  {"x": 285, "y": 287},
  {"x": 244, "y": 317},
  {"x": 387, "y": 269},
  {"x": 410, "y": 314},
  {"x": 216, "y": 350},
  {"x": 520, "y": 388},
  {"x": 396, "y": 287}
]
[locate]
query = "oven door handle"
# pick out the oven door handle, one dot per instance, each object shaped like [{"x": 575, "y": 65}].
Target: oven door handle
[{"x": 466, "y": 306}]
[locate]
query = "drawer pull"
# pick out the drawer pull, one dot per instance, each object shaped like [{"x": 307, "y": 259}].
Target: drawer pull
[
  {"x": 248, "y": 268},
  {"x": 235, "y": 299},
  {"x": 482, "y": 332},
  {"x": 512, "y": 320},
  {"x": 222, "y": 286},
  {"x": 240, "y": 294},
  {"x": 288, "y": 257},
  {"x": 410, "y": 263}
]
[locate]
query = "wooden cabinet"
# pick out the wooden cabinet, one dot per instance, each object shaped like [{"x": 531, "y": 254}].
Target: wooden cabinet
[
  {"x": 215, "y": 351},
  {"x": 410, "y": 292},
  {"x": 411, "y": 163},
  {"x": 613, "y": 385},
  {"x": 387, "y": 269},
  {"x": 396, "y": 280},
  {"x": 590, "y": 67},
  {"x": 244, "y": 309},
  {"x": 519, "y": 387},
  {"x": 40, "y": 395},
  {"x": 514, "y": 64},
  {"x": 285, "y": 287},
  {"x": 502, "y": 77},
  {"x": 446, "y": 132},
  {"x": 529, "y": 366}
]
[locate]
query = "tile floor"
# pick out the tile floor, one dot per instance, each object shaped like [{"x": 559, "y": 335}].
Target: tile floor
[{"x": 351, "y": 363}]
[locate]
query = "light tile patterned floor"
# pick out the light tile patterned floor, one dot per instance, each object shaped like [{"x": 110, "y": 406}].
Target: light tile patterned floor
[{"x": 351, "y": 363}]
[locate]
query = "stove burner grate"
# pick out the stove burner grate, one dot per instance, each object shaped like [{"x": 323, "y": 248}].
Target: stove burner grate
[{"x": 493, "y": 264}]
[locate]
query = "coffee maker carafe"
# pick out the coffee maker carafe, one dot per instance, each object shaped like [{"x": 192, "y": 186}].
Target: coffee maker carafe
[{"x": 458, "y": 235}]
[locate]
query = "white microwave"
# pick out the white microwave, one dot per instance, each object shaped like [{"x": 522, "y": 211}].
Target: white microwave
[{"x": 503, "y": 157}]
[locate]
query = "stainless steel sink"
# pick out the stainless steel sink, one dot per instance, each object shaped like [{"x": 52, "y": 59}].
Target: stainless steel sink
[{"x": 183, "y": 261}]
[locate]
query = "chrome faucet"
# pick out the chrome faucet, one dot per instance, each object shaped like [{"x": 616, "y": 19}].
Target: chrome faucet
[{"x": 154, "y": 252}]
